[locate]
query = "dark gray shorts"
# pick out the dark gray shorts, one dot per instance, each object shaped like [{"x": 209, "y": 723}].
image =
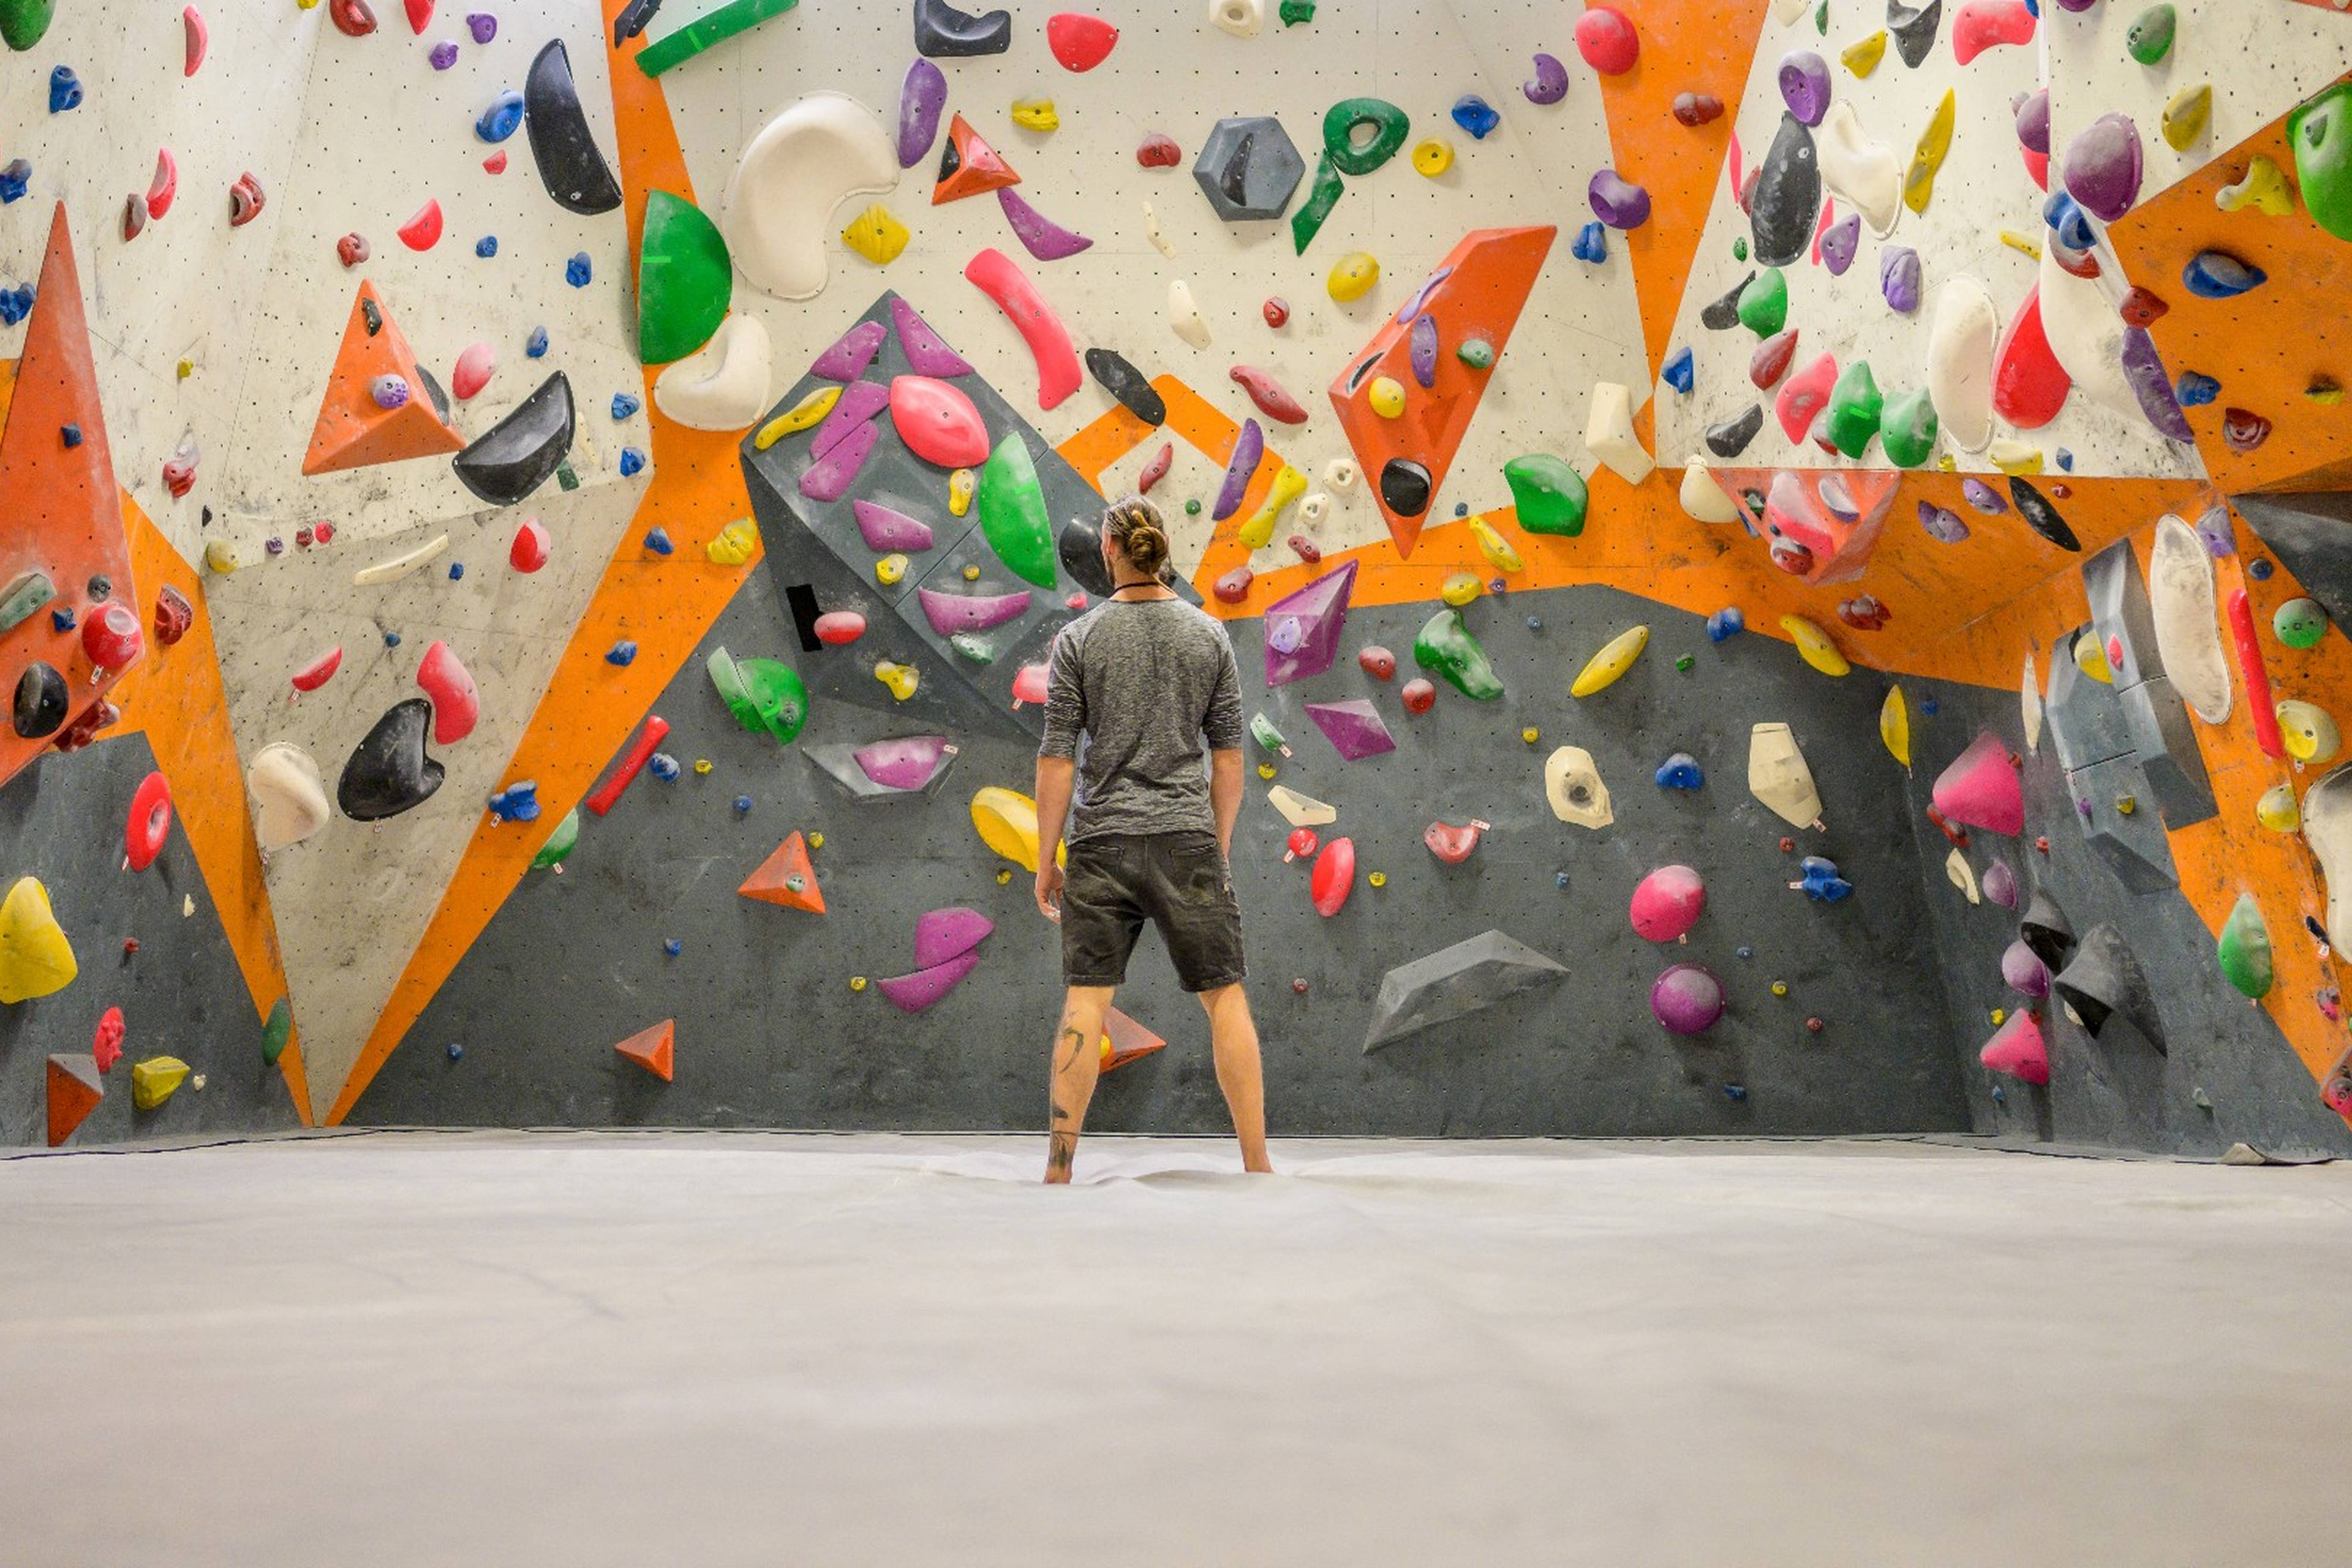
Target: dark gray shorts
[{"x": 1178, "y": 881}]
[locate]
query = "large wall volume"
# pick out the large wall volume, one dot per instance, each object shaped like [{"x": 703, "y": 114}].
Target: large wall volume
[{"x": 489, "y": 370}]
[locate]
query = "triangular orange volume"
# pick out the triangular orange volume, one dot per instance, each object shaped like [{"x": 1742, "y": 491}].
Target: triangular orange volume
[
  {"x": 786, "y": 878},
  {"x": 353, "y": 431},
  {"x": 969, "y": 165},
  {"x": 650, "y": 1049},
  {"x": 75, "y": 1089},
  {"x": 1128, "y": 1040}
]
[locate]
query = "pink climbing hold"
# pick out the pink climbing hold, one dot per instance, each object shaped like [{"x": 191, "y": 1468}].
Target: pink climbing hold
[
  {"x": 995, "y": 274},
  {"x": 106, "y": 1045},
  {"x": 938, "y": 421},
  {"x": 422, "y": 232},
  {"x": 1032, "y": 683},
  {"x": 913, "y": 993},
  {"x": 2029, "y": 385},
  {"x": 457, "y": 705},
  {"x": 1981, "y": 789},
  {"x": 943, "y": 935},
  {"x": 472, "y": 371},
  {"x": 320, "y": 670},
  {"x": 1667, "y": 903},
  {"x": 2017, "y": 1049},
  {"x": 1606, "y": 38},
  {"x": 1982, "y": 24},
  {"x": 1687, "y": 999},
  {"x": 198, "y": 40},
  {"x": 1803, "y": 395},
  {"x": 530, "y": 550},
  {"x": 836, "y": 629},
  {"x": 149, "y": 824},
  {"x": 166, "y": 185}
]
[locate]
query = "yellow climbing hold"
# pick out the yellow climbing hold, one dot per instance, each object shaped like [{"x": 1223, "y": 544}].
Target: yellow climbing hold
[
  {"x": 901, "y": 678},
  {"x": 1386, "y": 395},
  {"x": 2265, "y": 189},
  {"x": 1265, "y": 770},
  {"x": 2017, "y": 242},
  {"x": 1494, "y": 547},
  {"x": 890, "y": 569},
  {"x": 1609, "y": 666},
  {"x": 960, "y": 484},
  {"x": 220, "y": 556},
  {"x": 2091, "y": 658},
  {"x": 2011, "y": 457},
  {"x": 1862, "y": 58},
  {"x": 857, "y": 983},
  {"x": 796, "y": 418},
  {"x": 2186, "y": 116},
  {"x": 188, "y": 368},
  {"x": 1459, "y": 588},
  {"x": 702, "y": 766},
  {"x": 1036, "y": 115},
  {"x": 1779, "y": 988},
  {"x": 1378, "y": 879},
  {"x": 877, "y": 235},
  {"x": 2309, "y": 734},
  {"x": 1895, "y": 726},
  {"x": 1007, "y": 821},
  {"x": 35, "y": 959},
  {"x": 1433, "y": 157},
  {"x": 816, "y": 840},
  {"x": 2324, "y": 392},
  {"x": 971, "y": 573},
  {"x": 2277, "y": 810},
  {"x": 1531, "y": 734},
  {"x": 1289, "y": 486},
  {"x": 1352, "y": 276},
  {"x": 1813, "y": 646},
  {"x": 733, "y": 544},
  {"x": 1934, "y": 146},
  {"x": 153, "y": 1081}
]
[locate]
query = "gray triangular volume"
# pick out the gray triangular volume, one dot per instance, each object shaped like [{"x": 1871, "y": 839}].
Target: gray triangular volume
[
  {"x": 2312, "y": 536},
  {"x": 1454, "y": 983}
]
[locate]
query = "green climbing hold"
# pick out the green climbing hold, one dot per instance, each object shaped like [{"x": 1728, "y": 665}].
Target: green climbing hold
[
  {"x": 762, "y": 693},
  {"x": 1344, "y": 119},
  {"x": 2151, "y": 38},
  {"x": 2321, "y": 132},
  {"x": 2300, "y": 622},
  {"x": 685, "y": 280},
  {"x": 560, "y": 843},
  {"x": 973, "y": 646},
  {"x": 1296, "y": 11},
  {"x": 1822, "y": 18},
  {"x": 1907, "y": 429},
  {"x": 277, "y": 1031},
  {"x": 1263, "y": 731},
  {"x": 22, "y": 23},
  {"x": 1322, "y": 197},
  {"x": 1550, "y": 495},
  {"x": 1013, "y": 516},
  {"x": 1739, "y": 248},
  {"x": 2245, "y": 949},
  {"x": 1445, "y": 646},
  {"x": 1854, "y": 407},
  {"x": 1764, "y": 303},
  {"x": 1476, "y": 353}
]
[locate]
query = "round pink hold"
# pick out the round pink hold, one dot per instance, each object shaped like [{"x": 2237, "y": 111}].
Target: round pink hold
[
  {"x": 938, "y": 421},
  {"x": 1668, "y": 903},
  {"x": 473, "y": 370},
  {"x": 1687, "y": 999},
  {"x": 1605, "y": 37}
]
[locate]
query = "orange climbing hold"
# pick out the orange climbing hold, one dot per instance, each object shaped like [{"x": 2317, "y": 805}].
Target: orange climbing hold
[
  {"x": 75, "y": 1089},
  {"x": 651, "y": 1049},
  {"x": 1124, "y": 1040},
  {"x": 786, "y": 878},
  {"x": 355, "y": 430},
  {"x": 969, "y": 165}
]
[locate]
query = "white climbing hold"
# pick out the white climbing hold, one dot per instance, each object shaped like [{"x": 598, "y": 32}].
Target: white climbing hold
[
  {"x": 1959, "y": 363},
  {"x": 1313, "y": 510},
  {"x": 399, "y": 566},
  {"x": 1703, "y": 499},
  {"x": 1574, "y": 790},
  {"x": 1300, "y": 810},
  {"x": 1779, "y": 776},
  {"x": 2188, "y": 631},
  {"x": 1963, "y": 876},
  {"x": 1787, "y": 11},
  {"x": 724, "y": 384},
  {"x": 808, "y": 160},
  {"x": 1864, "y": 170},
  {"x": 2029, "y": 697},
  {"x": 2086, "y": 338},
  {"x": 1184, "y": 318},
  {"x": 1241, "y": 18},
  {"x": 285, "y": 785},
  {"x": 1340, "y": 474},
  {"x": 1152, "y": 232},
  {"x": 2327, "y": 828},
  {"x": 1609, "y": 433}
]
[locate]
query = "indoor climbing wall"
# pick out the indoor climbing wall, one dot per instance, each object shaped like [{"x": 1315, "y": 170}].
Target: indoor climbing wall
[{"x": 622, "y": 468}]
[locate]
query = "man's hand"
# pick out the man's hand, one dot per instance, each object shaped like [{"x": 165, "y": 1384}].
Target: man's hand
[{"x": 1049, "y": 891}]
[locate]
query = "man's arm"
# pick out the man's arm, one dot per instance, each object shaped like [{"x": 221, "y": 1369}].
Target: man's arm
[
  {"x": 1055, "y": 776},
  {"x": 1224, "y": 794},
  {"x": 1222, "y": 727},
  {"x": 1065, "y": 719}
]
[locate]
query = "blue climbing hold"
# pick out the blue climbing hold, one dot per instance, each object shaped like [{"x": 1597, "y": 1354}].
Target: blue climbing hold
[
  {"x": 535, "y": 346},
  {"x": 626, "y": 403},
  {"x": 1475, "y": 115},
  {"x": 70, "y": 435},
  {"x": 2069, "y": 222},
  {"x": 486, "y": 246},
  {"x": 16, "y": 176},
  {"x": 742, "y": 805},
  {"x": 1820, "y": 880},
  {"x": 1535, "y": 623},
  {"x": 1735, "y": 1092},
  {"x": 2218, "y": 275},
  {"x": 624, "y": 652},
  {"x": 457, "y": 570},
  {"x": 16, "y": 304},
  {"x": 1930, "y": 707},
  {"x": 2260, "y": 570},
  {"x": 457, "y": 1052},
  {"x": 1726, "y": 623},
  {"x": 392, "y": 639},
  {"x": 577, "y": 271},
  {"x": 672, "y": 946},
  {"x": 62, "y": 619},
  {"x": 64, "y": 90},
  {"x": 1680, "y": 771},
  {"x": 2195, "y": 389},
  {"x": 2067, "y": 458},
  {"x": 1559, "y": 880},
  {"x": 632, "y": 461},
  {"x": 657, "y": 542},
  {"x": 663, "y": 766},
  {"x": 501, "y": 118},
  {"x": 1743, "y": 953},
  {"x": 1682, "y": 372},
  {"x": 1592, "y": 242},
  {"x": 518, "y": 802}
]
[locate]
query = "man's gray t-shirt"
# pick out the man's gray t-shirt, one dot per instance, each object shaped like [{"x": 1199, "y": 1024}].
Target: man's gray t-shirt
[{"x": 1145, "y": 681}]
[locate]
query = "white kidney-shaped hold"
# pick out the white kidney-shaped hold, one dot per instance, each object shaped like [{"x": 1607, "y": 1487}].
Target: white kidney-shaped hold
[
  {"x": 1609, "y": 433},
  {"x": 291, "y": 800},
  {"x": 1241, "y": 18},
  {"x": 804, "y": 164},
  {"x": 2188, "y": 631},
  {"x": 723, "y": 386},
  {"x": 1861, "y": 169},
  {"x": 2086, "y": 338},
  {"x": 1959, "y": 363},
  {"x": 1572, "y": 786},
  {"x": 1313, "y": 510},
  {"x": 2327, "y": 828},
  {"x": 1787, "y": 11},
  {"x": 1340, "y": 474},
  {"x": 1703, "y": 499},
  {"x": 1184, "y": 318}
]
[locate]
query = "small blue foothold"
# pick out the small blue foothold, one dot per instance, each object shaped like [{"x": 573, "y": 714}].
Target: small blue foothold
[
  {"x": 1930, "y": 707},
  {"x": 2067, "y": 458},
  {"x": 632, "y": 461},
  {"x": 1475, "y": 115},
  {"x": 1998, "y": 1098},
  {"x": 16, "y": 304},
  {"x": 456, "y": 1051},
  {"x": 2218, "y": 275},
  {"x": 64, "y": 90},
  {"x": 1592, "y": 243},
  {"x": 1559, "y": 880},
  {"x": 673, "y": 946},
  {"x": 624, "y": 652},
  {"x": 663, "y": 766},
  {"x": 742, "y": 805},
  {"x": 1680, "y": 771},
  {"x": 486, "y": 246},
  {"x": 62, "y": 619},
  {"x": 1743, "y": 953},
  {"x": 2259, "y": 570},
  {"x": 577, "y": 271},
  {"x": 392, "y": 639},
  {"x": 624, "y": 404},
  {"x": 2195, "y": 389},
  {"x": 535, "y": 346},
  {"x": 657, "y": 542},
  {"x": 1735, "y": 1091},
  {"x": 71, "y": 434},
  {"x": 1535, "y": 623},
  {"x": 1726, "y": 623},
  {"x": 499, "y": 120},
  {"x": 1682, "y": 372},
  {"x": 15, "y": 177},
  {"x": 457, "y": 569}
]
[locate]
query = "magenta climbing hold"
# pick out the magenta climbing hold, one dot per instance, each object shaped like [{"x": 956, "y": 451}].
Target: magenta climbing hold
[
  {"x": 950, "y": 614},
  {"x": 854, "y": 409},
  {"x": 1667, "y": 903},
  {"x": 829, "y": 477},
  {"x": 995, "y": 274},
  {"x": 531, "y": 545},
  {"x": 457, "y": 705},
  {"x": 1550, "y": 84},
  {"x": 1981, "y": 789},
  {"x": 1805, "y": 396},
  {"x": 1687, "y": 999},
  {"x": 320, "y": 670},
  {"x": 473, "y": 371},
  {"x": 885, "y": 530},
  {"x": 913, "y": 993},
  {"x": 2103, "y": 166},
  {"x": 938, "y": 421},
  {"x": 1272, "y": 399},
  {"x": 948, "y": 934},
  {"x": 1983, "y": 24},
  {"x": 1302, "y": 629},
  {"x": 927, "y": 353},
  {"x": 1040, "y": 236},
  {"x": 423, "y": 231},
  {"x": 851, "y": 353},
  {"x": 1606, "y": 38},
  {"x": 907, "y": 764},
  {"x": 149, "y": 824},
  {"x": 2018, "y": 1048},
  {"x": 1354, "y": 728},
  {"x": 1249, "y": 449}
]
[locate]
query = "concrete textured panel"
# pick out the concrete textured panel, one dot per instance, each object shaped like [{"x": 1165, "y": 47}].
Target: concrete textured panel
[
  {"x": 2084, "y": 721},
  {"x": 2165, "y": 742}
]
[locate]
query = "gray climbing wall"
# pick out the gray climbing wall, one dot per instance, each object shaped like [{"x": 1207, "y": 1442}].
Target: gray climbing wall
[{"x": 770, "y": 1033}]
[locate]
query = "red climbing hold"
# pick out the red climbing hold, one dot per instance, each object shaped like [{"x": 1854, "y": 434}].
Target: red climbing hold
[
  {"x": 457, "y": 705},
  {"x": 320, "y": 670},
  {"x": 106, "y": 1045},
  {"x": 1277, "y": 310},
  {"x": 1451, "y": 844},
  {"x": 113, "y": 636},
  {"x": 529, "y": 553},
  {"x": 165, "y": 185},
  {"x": 651, "y": 1049},
  {"x": 1335, "y": 877},
  {"x": 420, "y": 15},
  {"x": 174, "y": 616},
  {"x": 1234, "y": 586},
  {"x": 1982, "y": 24},
  {"x": 835, "y": 628},
  {"x": 632, "y": 762},
  {"x": 74, "y": 1093},
  {"x": 2142, "y": 307},
  {"x": 195, "y": 37},
  {"x": 1301, "y": 844},
  {"x": 1377, "y": 662},
  {"x": 496, "y": 163},
  {"x": 422, "y": 232},
  {"x": 1159, "y": 151},
  {"x": 969, "y": 165},
  {"x": 472, "y": 371},
  {"x": 352, "y": 18},
  {"x": 1155, "y": 470},
  {"x": 351, "y": 251},
  {"x": 1079, "y": 42},
  {"x": 149, "y": 824},
  {"x": 1271, "y": 401},
  {"x": 1419, "y": 696},
  {"x": 1805, "y": 394},
  {"x": 1606, "y": 40},
  {"x": 1697, "y": 108}
]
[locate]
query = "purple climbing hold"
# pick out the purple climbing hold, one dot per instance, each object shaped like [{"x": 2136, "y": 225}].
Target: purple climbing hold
[
  {"x": 943, "y": 935},
  {"x": 1617, "y": 201},
  {"x": 1943, "y": 524},
  {"x": 389, "y": 391},
  {"x": 952, "y": 613},
  {"x": 444, "y": 56},
  {"x": 913, "y": 993},
  {"x": 1423, "y": 350},
  {"x": 1983, "y": 497},
  {"x": 2000, "y": 884},
  {"x": 2214, "y": 532},
  {"x": 2022, "y": 971},
  {"x": 927, "y": 353},
  {"x": 1805, "y": 85},
  {"x": 2033, "y": 122},
  {"x": 1040, "y": 236},
  {"x": 2104, "y": 166},
  {"x": 1354, "y": 728},
  {"x": 1550, "y": 83},
  {"x": 907, "y": 764},
  {"x": 1309, "y": 621},
  {"x": 1687, "y": 999},
  {"x": 482, "y": 24},
  {"x": 1840, "y": 243},
  {"x": 885, "y": 531},
  {"x": 846, "y": 359},
  {"x": 860, "y": 402},
  {"x": 2144, "y": 371},
  {"x": 1249, "y": 449},
  {"x": 1899, "y": 278},
  {"x": 921, "y": 96},
  {"x": 829, "y": 477}
]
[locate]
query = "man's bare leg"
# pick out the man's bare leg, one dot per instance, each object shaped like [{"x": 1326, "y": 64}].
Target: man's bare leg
[
  {"x": 1077, "y": 1061},
  {"x": 1233, "y": 1036}
]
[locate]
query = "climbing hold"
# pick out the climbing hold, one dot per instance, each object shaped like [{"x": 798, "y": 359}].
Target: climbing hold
[
  {"x": 1960, "y": 355},
  {"x": 2243, "y": 430},
  {"x": 2017, "y": 1049},
  {"x": 1609, "y": 666},
  {"x": 64, "y": 90},
  {"x": 422, "y": 231},
  {"x": 1814, "y": 646},
  {"x": 685, "y": 280},
  {"x": 724, "y": 384},
  {"x": 457, "y": 704},
  {"x": 2322, "y": 139},
  {"x": 1474, "y": 115},
  {"x": 35, "y": 958},
  {"x": 1862, "y": 55},
  {"x": 1617, "y": 202},
  {"x": 1805, "y": 78},
  {"x": 1854, "y": 411},
  {"x": 1697, "y": 108},
  {"x": 1982, "y": 24},
  {"x": 1573, "y": 789},
  {"x": 1609, "y": 433},
  {"x": 1445, "y": 646},
  {"x": 388, "y": 772},
  {"x": 1079, "y": 42},
  {"x": 1450, "y": 843},
  {"x": 74, "y": 1087},
  {"x": 2218, "y": 275},
  {"x": 153, "y": 1081},
  {"x": 1821, "y": 881},
  {"x": 320, "y": 670},
  {"x": 1036, "y": 115},
  {"x": 2102, "y": 167},
  {"x": 942, "y": 32},
  {"x": 1787, "y": 198},
  {"x": 1687, "y": 999},
  {"x": 1981, "y": 788},
  {"x": 522, "y": 451},
  {"x": 1241, "y": 18},
  {"x": 803, "y": 164},
  {"x": 1606, "y": 40},
  {"x": 1763, "y": 304},
  {"x": 1433, "y": 157},
  {"x": 1667, "y": 903},
  {"x": 2265, "y": 190},
  {"x": 473, "y": 370},
  {"x": 1387, "y": 124},
  {"x": 2244, "y": 949},
  {"x": 2308, "y": 733},
  {"x": 2300, "y": 622},
  {"x": 1334, "y": 877},
  {"x": 2189, "y": 113},
  {"x": 1778, "y": 776},
  {"x": 922, "y": 93},
  {"x": 1352, "y": 276},
  {"x": 1680, "y": 771},
  {"x": 995, "y": 275},
  {"x": 2150, "y": 37},
  {"x": 292, "y": 801},
  {"x": 1550, "y": 84},
  {"x": 1354, "y": 727}
]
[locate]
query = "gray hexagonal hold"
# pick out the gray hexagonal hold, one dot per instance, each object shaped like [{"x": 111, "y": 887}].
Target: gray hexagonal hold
[{"x": 1248, "y": 168}]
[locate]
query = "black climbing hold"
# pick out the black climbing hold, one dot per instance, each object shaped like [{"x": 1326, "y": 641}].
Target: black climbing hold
[
  {"x": 2105, "y": 978},
  {"x": 2045, "y": 929},
  {"x": 388, "y": 772},
  {"x": 433, "y": 390},
  {"x": 522, "y": 451},
  {"x": 1079, "y": 545},
  {"x": 1731, "y": 438},
  {"x": 1723, "y": 314},
  {"x": 41, "y": 700},
  {"x": 1405, "y": 487},
  {"x": 2040, "y": 516},
  {"x": 942, "y": 32},
  {"x": 570, "y": 163},
  {"x": 633, "y": 19},
  {"x": 1248, "y": 168},
  {"x": 371, "y": 316},
  {"x": 1788, "y": 196},
  {"x": 1914, "y": 27},
  {"x": 1127, "y": 384}
]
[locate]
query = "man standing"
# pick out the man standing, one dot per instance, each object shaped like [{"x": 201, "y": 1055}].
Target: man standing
[{"x": 1145, "y": 677}]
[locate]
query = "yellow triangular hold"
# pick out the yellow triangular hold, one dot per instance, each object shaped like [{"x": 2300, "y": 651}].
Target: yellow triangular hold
[
  {"x": 153, "y": 1081},
  {"x": 35, "y": 959}
]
